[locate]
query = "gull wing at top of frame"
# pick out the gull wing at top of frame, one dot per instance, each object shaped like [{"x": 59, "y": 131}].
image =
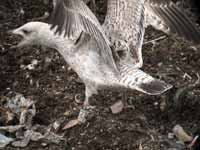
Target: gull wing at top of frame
[
  {"x": 72, "y": 16},
  {"x": 126, "y": 20},
  {"x": 166, "y": 16}
]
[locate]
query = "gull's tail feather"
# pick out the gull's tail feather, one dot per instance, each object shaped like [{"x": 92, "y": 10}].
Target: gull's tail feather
[{"x": 136, "y": 79}]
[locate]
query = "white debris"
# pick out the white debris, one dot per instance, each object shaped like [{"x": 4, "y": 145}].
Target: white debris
[
  {"x": 56, "y": 125},
  {"x": 30, "y": 66},
  {"x": 156, "y": 104},
  {"x": 181, "y": 134},
  {"x": 22, "y": 12},
  {"x": 71, "y": 124},
  {"x": 24, "y": 141},
  {"x": 4, "y": 141},
  {"x": 22, "y": 110},
  {"x": 170, "y": 135},
  {"x": 11, "y": 129},
  {"x": 86, "y": 114},
  {"x": 117, "y": 107}
]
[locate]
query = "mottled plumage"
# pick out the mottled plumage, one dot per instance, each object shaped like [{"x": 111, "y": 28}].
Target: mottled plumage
[
  {"x": 126, "y": 20},
  {"x": 107, "y": 56},
  {"x": 73, "y": 16},
  {"x": 124, "y": 24}
]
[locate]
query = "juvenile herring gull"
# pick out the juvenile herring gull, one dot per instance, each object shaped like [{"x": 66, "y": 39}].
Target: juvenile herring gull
[{"x": 107, "y": 56}]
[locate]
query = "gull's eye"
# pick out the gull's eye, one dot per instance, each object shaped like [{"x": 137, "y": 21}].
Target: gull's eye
[{"x": 26, "y": 31}]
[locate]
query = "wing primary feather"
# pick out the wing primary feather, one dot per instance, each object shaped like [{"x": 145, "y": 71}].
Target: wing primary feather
[
  {"x": 174, "y": 18},
  {"x": 165, "y": 17},
  {"x": 191, "y": 27},
  {"x": 182, "y": 25},
  {"x": 60, "y": 27},
  {"x": 73, "y": 16},
  {"x": 175, "y": 21}
]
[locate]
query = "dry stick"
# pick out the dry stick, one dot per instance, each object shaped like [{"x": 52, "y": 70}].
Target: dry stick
[{"x": 155, "y": 40}]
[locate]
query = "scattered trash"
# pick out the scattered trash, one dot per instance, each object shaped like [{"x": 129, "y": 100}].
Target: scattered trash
[
  {"x": 71, "y": 124},
  {"x": 31, "y": 66},
  {"x": 17, "y": 113},
  {"x": 181, "y": 134},
  {"x": 17, "y": 109},
  {"x": 86, "y": 114},
  {"x": 117, "y": 107},
  {"x": 191, "y": 142},
  {"x": 4, "y": 141},
  {"x": 25, "y": 139}
]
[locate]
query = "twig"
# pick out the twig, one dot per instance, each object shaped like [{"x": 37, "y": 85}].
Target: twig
[{"x": 155, "y": 40}]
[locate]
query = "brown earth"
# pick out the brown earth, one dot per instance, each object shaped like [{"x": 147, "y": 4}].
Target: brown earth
[{"x": 53, "y": 86}]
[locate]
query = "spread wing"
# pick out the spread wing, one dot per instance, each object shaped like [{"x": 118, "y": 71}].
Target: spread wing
[
  {"x": 164, "y": 15},
  {"x": 72, "y": 16},
  {"x": 125, "y": 21}
]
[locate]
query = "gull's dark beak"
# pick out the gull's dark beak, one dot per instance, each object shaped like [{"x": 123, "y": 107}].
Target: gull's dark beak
[
  {"x": 19, "y": 37},
  {"x": 10, "y": 32}
]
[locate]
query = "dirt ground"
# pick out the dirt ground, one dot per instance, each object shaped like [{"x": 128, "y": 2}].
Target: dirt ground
[{"x": 53, "y": 85}]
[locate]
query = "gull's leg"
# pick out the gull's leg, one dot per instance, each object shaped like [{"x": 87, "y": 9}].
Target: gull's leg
[
  {"x": 88, "y": 94},
  {"x": 126, "y": 102},
  {"x": 124, "y": 97},
  {"x": 87, "y": 111}
]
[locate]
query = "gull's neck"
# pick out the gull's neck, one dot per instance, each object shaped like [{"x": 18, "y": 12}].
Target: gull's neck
[{"x": 47, "y": 37}]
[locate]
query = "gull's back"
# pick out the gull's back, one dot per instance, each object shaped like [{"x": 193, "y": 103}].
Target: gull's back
[{"x": 125, "y": 26}]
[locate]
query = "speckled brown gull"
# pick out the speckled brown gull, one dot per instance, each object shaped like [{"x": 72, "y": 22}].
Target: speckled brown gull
[
  {"x": 104, "y": 57},
  {"x": 126, "y": 20},
  {"x": 93, "y": 29}
]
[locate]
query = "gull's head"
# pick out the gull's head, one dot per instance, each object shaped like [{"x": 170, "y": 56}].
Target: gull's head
[{"x": 31, "y": 33}]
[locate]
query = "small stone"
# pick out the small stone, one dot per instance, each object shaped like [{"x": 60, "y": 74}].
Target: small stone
[
  {"x": 44, "y": 144},
  {"x": 117, "y": 107},
  {"x": 156, "y": 104},
  {"x": 170, "y": 135},
  {"x": 56, "y": 125},
  {"x": 67, "y": 113}
]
